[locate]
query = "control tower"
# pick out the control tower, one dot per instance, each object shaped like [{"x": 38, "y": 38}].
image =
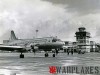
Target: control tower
[{"x": 82, "y": 38}]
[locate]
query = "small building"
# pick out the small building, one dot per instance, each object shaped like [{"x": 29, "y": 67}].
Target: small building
[
  {"x": 92, "y": 46},
  {"x": 5, "y": 41},
  {"x": 97, "y": 47},
  {"x": 68, "y": 43},
  {"x": 70, "y": 46}
]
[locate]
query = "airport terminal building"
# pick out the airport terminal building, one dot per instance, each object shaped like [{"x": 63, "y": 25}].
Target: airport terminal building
[{"x": 82, "y": 42}]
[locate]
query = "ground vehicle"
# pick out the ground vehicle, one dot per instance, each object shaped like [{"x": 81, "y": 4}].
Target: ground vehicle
[{"x": 81, "y": 52}]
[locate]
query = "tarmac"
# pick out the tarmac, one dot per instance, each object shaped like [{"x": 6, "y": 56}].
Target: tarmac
[{"x": 11, "y": 64}]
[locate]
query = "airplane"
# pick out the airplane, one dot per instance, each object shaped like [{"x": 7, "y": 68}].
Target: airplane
[
  {"x": 53, "y": 45},
  {"x": 21, "y": 45}
]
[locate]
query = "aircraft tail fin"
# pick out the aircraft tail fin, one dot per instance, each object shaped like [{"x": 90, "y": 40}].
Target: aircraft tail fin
[{"x": 13, "y": 36}]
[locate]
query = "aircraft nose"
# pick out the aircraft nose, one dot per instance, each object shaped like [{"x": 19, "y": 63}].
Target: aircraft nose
[{"x": 62, "y": 43}]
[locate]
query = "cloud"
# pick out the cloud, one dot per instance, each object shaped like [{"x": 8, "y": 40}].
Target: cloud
[
  {"x": 51, "y": 17},
  {"x": 80, "y": 6},
  {"x": 88, "y": 14},
  {"x": 24, "y": 17}
]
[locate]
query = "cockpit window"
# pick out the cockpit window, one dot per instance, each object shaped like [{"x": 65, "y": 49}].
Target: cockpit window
[{"x": 54, "y": 40}]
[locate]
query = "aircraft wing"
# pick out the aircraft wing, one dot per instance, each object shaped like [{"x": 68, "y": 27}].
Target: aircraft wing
[{"x": 10, "y": 48}]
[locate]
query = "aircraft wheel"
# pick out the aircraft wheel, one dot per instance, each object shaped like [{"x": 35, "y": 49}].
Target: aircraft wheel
[
  {"x": 46, "y": 55},
  {"x": 53, "y": 55},
  {"x": 21, "y": 55}
]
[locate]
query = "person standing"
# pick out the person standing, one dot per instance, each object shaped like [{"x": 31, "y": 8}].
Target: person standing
[
  {"x": 56, "y": 52},
  {"x": 72, "y": 51},
  {"x": 68, "y": 51}
]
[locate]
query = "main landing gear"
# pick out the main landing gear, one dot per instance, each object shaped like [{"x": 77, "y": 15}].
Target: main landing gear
[
  {"x": 21, "y": 55},
  {"x": 47, "y": 55}
]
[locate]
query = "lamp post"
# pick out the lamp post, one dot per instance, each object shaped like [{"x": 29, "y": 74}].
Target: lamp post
[{"x": 37, "y": 33}]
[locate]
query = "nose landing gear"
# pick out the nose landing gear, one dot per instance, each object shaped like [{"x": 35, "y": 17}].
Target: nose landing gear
[
  {"x": 21, "y": 55},
  {"x": 46, "y": 54},
  {"x": 53, "y": 55}
]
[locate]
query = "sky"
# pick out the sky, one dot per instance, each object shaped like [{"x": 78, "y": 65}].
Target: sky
[{"x": 60, "y": 18}]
